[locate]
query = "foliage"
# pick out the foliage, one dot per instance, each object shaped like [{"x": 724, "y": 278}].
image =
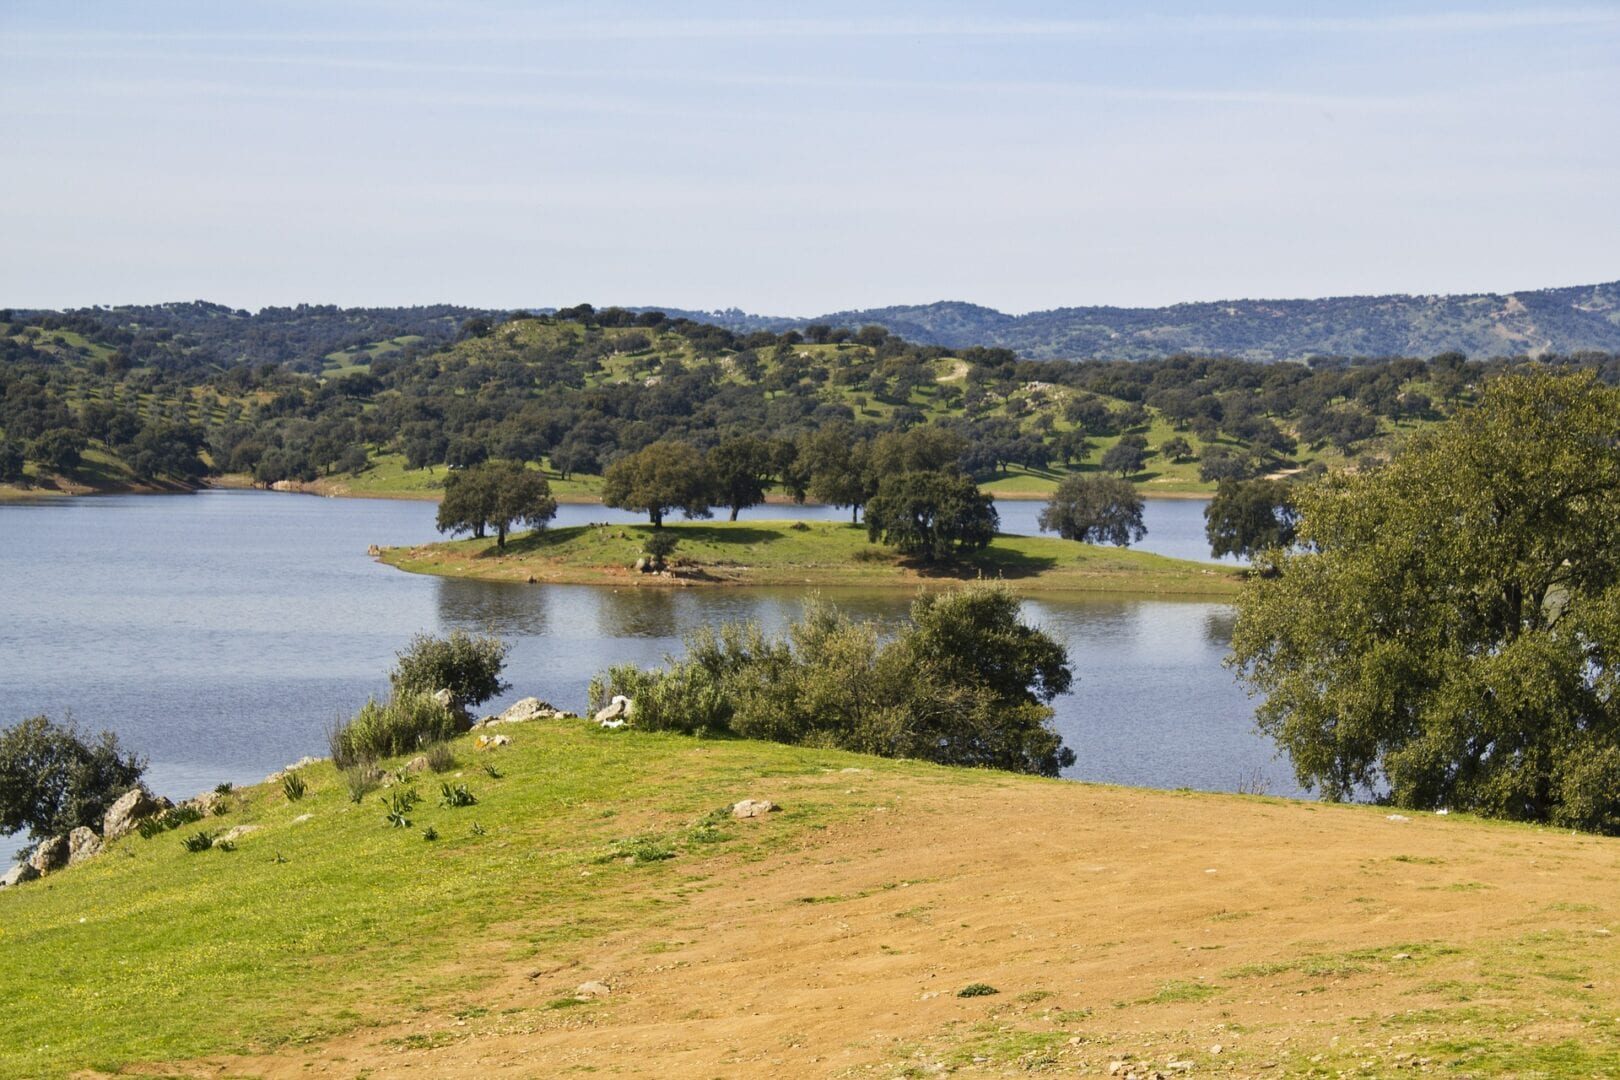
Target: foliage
[
  {"x": 361, "y": 780},
  {"x": 402, "y": 724},
  {"x": 965, "y": 682},
  {"x": 977, "y": 990},
  {"x": 1095, "y": 510},
  {"x": 469, "y": 667},
  {"x": 198, "y": 841},
  {"x": 293, "y": 786},
  {"x": 399, "y": 803},
  {"x": 53, "y": 779},
  {"x": 739, "y": 469},
  {"x": 1448, "y": 634},
  {"x": 659, "y": 546},
  {"x": 935, "y": 515},
  {"x": 440, "y": 758},
  {"x": 668, "y": 475},
  {"x": 1247, "y": 516},
  {"x": 456, "y": 796},
  {"x": 172, "y": 818},
  {"x": 495, "y": 495}
]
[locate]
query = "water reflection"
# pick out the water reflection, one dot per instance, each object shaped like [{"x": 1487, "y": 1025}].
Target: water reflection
[{"x": 476, "y": 607}]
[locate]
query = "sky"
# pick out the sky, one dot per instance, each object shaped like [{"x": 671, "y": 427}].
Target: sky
[{"x": 801, "y": 158}]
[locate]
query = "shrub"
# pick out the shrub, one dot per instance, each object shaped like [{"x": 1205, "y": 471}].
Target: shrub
[
  {"x": 439, "y": 757},
  {"x": 53, "y": 779},
  {"x": 293, "y": 786},
  {"x": 977, "y": 990},
  {"x": 361, "y": 780},
  {"x": 966, "y": 683},
  {"x": 469, "y": 667},
  {"x": 199, "y": 841},
  {"x": 402, "y": 724}
]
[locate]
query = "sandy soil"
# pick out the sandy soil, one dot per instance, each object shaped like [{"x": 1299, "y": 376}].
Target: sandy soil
[{"x": 1225, "y": 935}]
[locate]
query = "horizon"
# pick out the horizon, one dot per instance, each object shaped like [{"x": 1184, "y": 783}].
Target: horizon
[{"x": 778, "y": 159}]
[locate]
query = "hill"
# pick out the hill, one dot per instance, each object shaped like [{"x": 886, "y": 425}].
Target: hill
[
  {"x": 1241, "y": 936},
  {"x": 1481, "y": 325}
]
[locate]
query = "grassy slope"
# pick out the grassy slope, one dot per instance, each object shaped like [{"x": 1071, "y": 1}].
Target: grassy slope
[
  {"x": 1115, "y": 922},
  {"x": 814, "y": 553}
]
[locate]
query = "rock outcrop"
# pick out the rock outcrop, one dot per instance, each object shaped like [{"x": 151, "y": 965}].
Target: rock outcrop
[
  {"x": 753, "y": 808},
  {"x": 83, "y": 843},
  {"x": 50, "y": 854},
  {"x": 131, "y": 807},
  {"x": 17, "y": 875},
  {"x": 529, "y": 708},
  {"x": 616, "y": 713}
]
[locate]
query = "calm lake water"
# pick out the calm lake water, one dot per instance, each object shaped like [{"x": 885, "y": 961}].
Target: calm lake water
[{"x": 220, "y": 633}]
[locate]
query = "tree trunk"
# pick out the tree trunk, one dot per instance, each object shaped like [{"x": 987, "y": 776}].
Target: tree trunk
[
  {"x": 734, "y": 510},
  {"x": 657, "y": 518},
  {"x": 500, "y": 537}
]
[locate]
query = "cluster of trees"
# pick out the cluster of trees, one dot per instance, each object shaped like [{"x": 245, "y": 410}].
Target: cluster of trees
[{"x": 965, "y": 682}]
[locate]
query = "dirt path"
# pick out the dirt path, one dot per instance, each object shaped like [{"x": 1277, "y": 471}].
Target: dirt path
[{"x": 1172, "y": 932}]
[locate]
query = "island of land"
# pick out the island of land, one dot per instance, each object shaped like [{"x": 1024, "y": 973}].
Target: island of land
[{"x": 805, "y": 554}]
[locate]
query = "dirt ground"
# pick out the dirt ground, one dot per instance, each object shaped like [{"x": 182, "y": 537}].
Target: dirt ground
[{"x": 1126, "y": 932}]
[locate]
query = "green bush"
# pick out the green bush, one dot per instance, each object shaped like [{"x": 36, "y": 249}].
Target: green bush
[
  {"x": 966, "y": 683},
  {"x": 469, "y": 667},
  {"x": 401, "y": 725}
]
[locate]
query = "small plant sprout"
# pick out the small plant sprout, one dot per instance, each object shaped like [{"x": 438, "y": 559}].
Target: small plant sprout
[
  {"x": 477, "y": 829},
  {"x": 430, "y": 833},
  {"x": 494, "y": 773},
  {"x": 292, "y": 786},
  {"x": 456, "y": 796},
  {"x": 400, "y": 804}
]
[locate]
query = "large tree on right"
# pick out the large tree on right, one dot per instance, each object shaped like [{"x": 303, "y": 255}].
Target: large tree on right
[{"x": 1446, "y": 634}]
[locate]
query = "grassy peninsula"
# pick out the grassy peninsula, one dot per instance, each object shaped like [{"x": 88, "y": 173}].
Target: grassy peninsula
[
  {"x": 1247, "y": 936},
  {"x": 818, "y": 554}
]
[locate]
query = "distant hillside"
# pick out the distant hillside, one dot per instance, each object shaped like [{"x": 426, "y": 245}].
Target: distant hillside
[{"x": 1481, "y": 325}]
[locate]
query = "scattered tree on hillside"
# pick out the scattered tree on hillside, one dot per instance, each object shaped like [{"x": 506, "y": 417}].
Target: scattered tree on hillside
[{"x": 740, "y": 467}]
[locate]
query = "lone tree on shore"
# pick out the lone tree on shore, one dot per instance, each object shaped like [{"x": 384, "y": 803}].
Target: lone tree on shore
[
  {"x": 496, "y": 495},
  {"x": 740, "y": 468},
  {"x": 1447, "y": 633},
  {"x": 668, "y": 475},
  {"x": 1095, "y": 510},
  {"x": 53, "y": 779},
  {"x": 936, "y": 515},
  {"x": 1247, "y": 516}
]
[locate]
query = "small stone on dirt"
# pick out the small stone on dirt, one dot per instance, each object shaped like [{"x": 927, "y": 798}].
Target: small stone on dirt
[
  {"x": 592, "y": 989},
  {"x": 753, "y": 808}
]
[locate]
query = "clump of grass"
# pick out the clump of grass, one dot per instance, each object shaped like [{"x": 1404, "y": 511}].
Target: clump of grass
[
  {"x": 361, "y": 780},
  {"x": 293, "y": 786},
  {"x": 172, "y": 818},
  {"x": 430, "y": 833},
  {"x": 399, "y": 725},
  {"x": 639, "y": 849},
  {"x": 456, "y": 796},
  {"x": 439, "y": 757},
  {"x": 199, "y": 841},
  {"x": 977, "y": 990},
  {"x": 225, "y": 788}
]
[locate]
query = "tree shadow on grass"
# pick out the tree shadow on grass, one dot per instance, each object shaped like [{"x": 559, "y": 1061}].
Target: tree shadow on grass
[
  {"x": 547, "y": 541},
  {"x": 992, "y": 564}
]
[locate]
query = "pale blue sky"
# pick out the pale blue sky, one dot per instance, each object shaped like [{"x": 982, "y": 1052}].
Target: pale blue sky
[{"x": 801, "y": 158}]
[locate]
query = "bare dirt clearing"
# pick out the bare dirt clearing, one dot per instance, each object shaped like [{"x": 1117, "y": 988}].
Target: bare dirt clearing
[{"x": 1124, "y": 931}]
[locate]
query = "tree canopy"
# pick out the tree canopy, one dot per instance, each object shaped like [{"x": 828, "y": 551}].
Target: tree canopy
[
  {"x": 1095, "y": 510},
  {"x": 935, "y": 515},
  {"x": 496, "y": 495},
  {"x": 1247, "y": 516},
  {"x": 53, "y": 779},
  {"x": 668, "y": 475},
  {"x": 1447, "y": 634}
]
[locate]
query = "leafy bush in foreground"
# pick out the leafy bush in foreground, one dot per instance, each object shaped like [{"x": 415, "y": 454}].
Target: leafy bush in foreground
[
  {"x": 469, "y": 667},
  {"x": 965, "y": 683}
]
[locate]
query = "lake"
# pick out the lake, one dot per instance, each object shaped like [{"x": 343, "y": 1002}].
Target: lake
[{"x": 221, "y": 633}]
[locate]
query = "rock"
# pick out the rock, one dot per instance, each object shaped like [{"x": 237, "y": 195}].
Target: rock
[
  {"x": 1396, "y": 817},
  {"x": 17, "y": 875},
  {"x": 83, "y": 843},
  {"x": 417, "y": 764},
  {"x": 301, "y": 818},
  {"x": 617, "y": 709},
  {"x": 490, "y": 742},
  {"x": 122, "y": 815},
  {"x": 206, "y": 802},
  {"x": 454, "y": 704},
  {"x": 521, "y": 712},
  {"x": 374, "y": 550},
  {"x": 753, "y": 808},
  {"x": 51, "y": 854},
  {"x": 236, "y": 833},
  {"x": 592, "y": 989},
  {"x": 280, "y": 774},
  {"x": 1178, "y": 1066}
]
